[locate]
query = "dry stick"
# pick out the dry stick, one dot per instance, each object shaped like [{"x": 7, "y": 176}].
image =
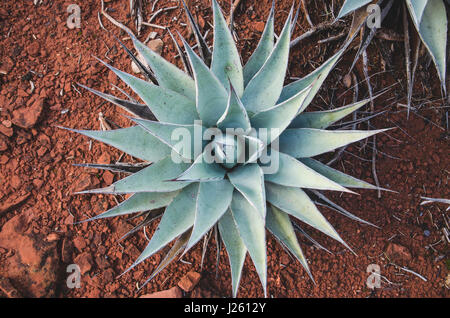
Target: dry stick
[
  {"x": 234, "y": 6},
  {"x": 407, "y": 57},
  {"x": 372, "y": 109},
  {"x": 305, "y": 11},
  {"x": 318, "y": 28},
  {"x": 113, "y": 21}
]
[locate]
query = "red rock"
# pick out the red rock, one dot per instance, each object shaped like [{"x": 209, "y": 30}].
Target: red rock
[
  {"x": 174, "y": 292},
  {"x": 34, "y": 264},
  {"x": 41, "y": 151},
  {"x": 33, "y": 49},
  {"x": 7, "y": 123},
  {"x": 259, "y": 26},
  {"x": 84, "y": 183},
  {"x": 104, "y": 159},
  {"x": 38, "y": 183},
  {"x": 3, "y": 143},
  {"x": 84, "y": 260},
  {"x": 11, "y": 203},
  {"x": 27, "y": 117},
  {"x": 398, "y": 252},
  {"x": 69, "y": 220},
  {"x": 7, "y": 131},
  {"x": 156, "y": 45},
  {"x": 3, "y": 159},
  {"x": 52, "y": 237},
  {"x": 15, "y": 182},
  {"x": 108, "y": 177},
  {"x": 189, "y": 281},
  {"x": 79, "y": 243}
]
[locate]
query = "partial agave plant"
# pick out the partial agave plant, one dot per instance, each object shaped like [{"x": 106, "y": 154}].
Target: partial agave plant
[
  {"x": 236, "y": 199},
  {"x": 429, "y": 18}
]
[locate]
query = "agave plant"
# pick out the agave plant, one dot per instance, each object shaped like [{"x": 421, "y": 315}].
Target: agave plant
[
  {"x": 429, "y": 18},
  {"x": 238, "y": 199}
]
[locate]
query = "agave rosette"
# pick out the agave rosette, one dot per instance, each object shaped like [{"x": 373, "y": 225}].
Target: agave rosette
[{"x": 237, "y": 199}]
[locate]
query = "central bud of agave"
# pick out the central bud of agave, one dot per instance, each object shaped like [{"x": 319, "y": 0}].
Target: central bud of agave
[
  {"x": 232, "y": 149},
  {"x": 229, "y": 150}
]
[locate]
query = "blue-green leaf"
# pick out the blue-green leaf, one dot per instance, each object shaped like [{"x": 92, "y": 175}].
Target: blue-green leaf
[
  {"x": 202, "y": 171},
  {"x": 226, "y": 61},
  {"x": 278, "y": 118},
  {"x": 309, "y": 142},
  {"x": 315, "y": 79},
  {"x": 431, "y": 24},
  {"x": 154, "y": 178},
  {"x": 173, "y": 135},
  {"x": 235, "y": 116},
  {"x": 139, "y": 202},
  {"x": 212, "y": 97},
  {"x": 167, "y": 105},
  {"x": 264, "y": 89},
  {"x": 279, "y": 224},
  {"x": 135, "y": 141},
  {"x": 263, "y": 50},
  {"x": 252, "y": 231},
  {"x": 324, "y": 119},
  {"x": 296, "y": 202},
  {"x": 213, "y": 201},
  {"x": 167, "y": 74},
  {"x": 249, "y": 181},
  {"x": 350, "y": 6},
  {"x": 293, "y": 173},
  {"x": 235, "y": 248},
  {"x": 177, "y": 219},
  {"x": 339, "y": 177}
]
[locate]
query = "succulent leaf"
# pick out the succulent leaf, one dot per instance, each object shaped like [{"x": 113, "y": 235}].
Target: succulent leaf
[
  {"x": 167, "y": 74},
  {"x": 324, "y": 119},
  {"x": 139, "y": 110},
  {"x": 235, "y": 115},
  {"x": 226, "y": 61},
  {"x": 249, "y": 181},
  {"x": 210, "y": 207},
  {"x": 212, "y": 97},
  {"x": 133, "y": 140},
  {"x": 339, "y": 177},
  {"x": 293, "y": 173},
  {"x": 166, "y": 133},
  {"x": 350, "y": 6},
  {"x": 177, "y": 219},
  {"x": 153, "y": 178},
  {"x": 280, "y": 116},
  {"x": 139, "y": 202},
  {"x": 310, "y": 142},
  {"x": 202, "y": 171},
  {"x": 430, "y": 20},
  {"x": 263, "y": 50},
  {"x": 264, "y": 89},
  {"x": 157, "y": 98},
  {"x": 235, "y": 248},
  {"x": 297, "y": 203},
  {"x": 279, "y": 224},
  {"x": 315, "y": 79},
  {"x": 252, "y": 230}
]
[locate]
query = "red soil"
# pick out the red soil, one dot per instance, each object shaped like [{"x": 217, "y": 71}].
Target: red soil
[{"x": 37, "y": 208}]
